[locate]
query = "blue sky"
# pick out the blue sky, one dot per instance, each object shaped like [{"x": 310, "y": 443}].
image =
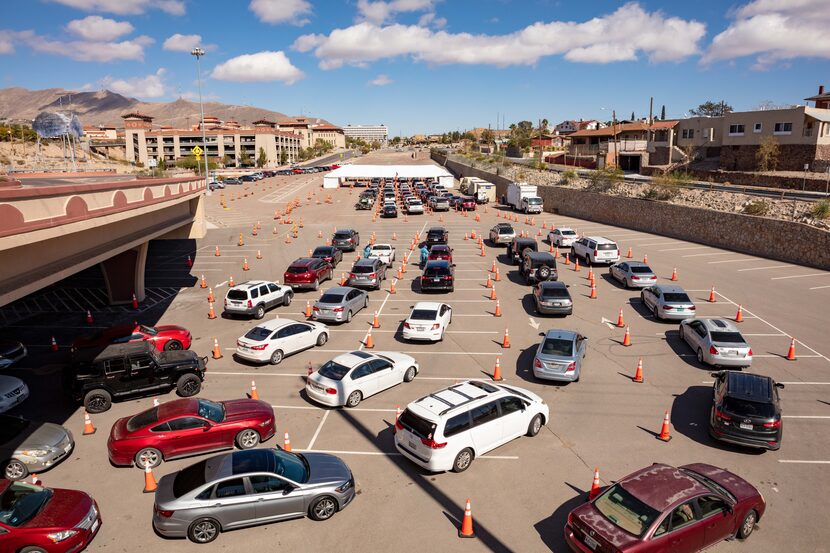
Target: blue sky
[{"x": 426, "y": 65}]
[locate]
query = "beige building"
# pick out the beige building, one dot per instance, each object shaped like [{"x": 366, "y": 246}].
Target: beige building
[{"x": 310, "y": 130}]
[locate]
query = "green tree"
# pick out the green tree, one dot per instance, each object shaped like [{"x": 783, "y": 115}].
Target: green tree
[
  {"x": 227, "y": 160},
  {"x": 375, "y": 145},
  {"x": 663, "y": 113},
  {"x": 711, "y": 109},
  {"x": 162, "y": 165},
  {"x": 262, "y": 158},
  {"x": 190, "y": 162},
  {"x": 632, "y": 116},
  {"x": 487, "y": 136},
  {"x": 767, "y": 154},
  {"x": 244, "y": 159},
  {"x": 283, "y": 157}
]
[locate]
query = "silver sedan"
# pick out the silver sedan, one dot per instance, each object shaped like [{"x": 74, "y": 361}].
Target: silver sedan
[
  {"x": 27, "y": 446},
  {"x": 247, "y": 488},
  {"x": 668, "y": 301},
  {"x": 560, "y": 356},
  {"x": 716, "y": 342},
  {"x": 633, "y": 274},
  {"x": 339, "y": 304}
]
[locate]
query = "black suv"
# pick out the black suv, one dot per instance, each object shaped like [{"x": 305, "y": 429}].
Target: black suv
[
  {"x": 99, "y": 376},
  {"x": 346, "y": 240},
  {"x": 538, "y": 267},
  {"x": 438, "y": 275},
  {"x": 519, "y": 247},
  {"x": 437, "y": 235},
  {"x": 746, "y": 410}
]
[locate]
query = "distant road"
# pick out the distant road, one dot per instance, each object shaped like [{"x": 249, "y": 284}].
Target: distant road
[{"x": 333, "y": 158}]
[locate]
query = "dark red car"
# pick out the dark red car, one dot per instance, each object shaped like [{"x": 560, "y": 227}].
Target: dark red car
[
  {"x": 665, "y": 509},
  {"x": 164, "y": 337},
  {"x": 34, "y": 518},
  {"x": 440, "y": 252},
  {"x": 465, "y": 203},
  {"x": 189, "y": 426},
  {"x": 328, "y": 253},
  {"x": 307, "y": 272}
]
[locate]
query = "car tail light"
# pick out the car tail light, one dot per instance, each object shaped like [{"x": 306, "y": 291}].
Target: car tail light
[
  {"x": 338, "y": 309},
  {"x": 406, "y": 325},
  {"x": 722, "y": 416},
  {"x": 432, "y": 444},
  {"x": 692, "y": 308},
  {"x": 595, "y": 253},
  {"x": 436, "y": 326},
  {"x": 164, "y": 513},
  {"x": 449, "y": 277},
  {"x": 571, "y": 367},
  {"x": 351, "y": 275},
  {"x": 749, "y": 353},
  {"x": 250, "y": 304},
  {"x": 570, "y": 519},
  {"x": 331, "y": 391},
  {"x": 259, "y": 347},
  {"x": 316, "y": 308},
  {"x": 226, "y": 302},
  {"x": 537, "y": 363},
  {"x": 773, "y": 424},
  {"x": 668, "y": 307},
  {"x": 398, "y": 425},
  {"x": 634, "y": 277},
  {"x": 373, "y": 275},
  {"x": 713, "y": 350}
]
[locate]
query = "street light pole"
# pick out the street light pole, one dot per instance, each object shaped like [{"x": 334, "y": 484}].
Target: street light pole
[{"x": 198, "y": 52}]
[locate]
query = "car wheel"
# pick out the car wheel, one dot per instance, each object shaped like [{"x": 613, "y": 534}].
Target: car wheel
[
  {"x": 188, "y": 385},
  {"x": 544, "y": 272},
  {"x": 286, "y": 300},
  {"x": 463, "y": 460},
  {"x": 354, "y": 399},
  {"x": 316, "y": 285},
  {"x": 204, "y": 530},
  {"x": 246, "y": 439},
  {"x": 656, "y": 312},
  {"x": 148, "y": 456},
  {"x": 15, "y": 470},
  {"x": 322, "y": 339},
  {"x": 97, "y": 401},
  {"x": 700, "y": 356},
  {"x": 260, "y": 312},
  {"x": 441, "y": 337},
  {"x": 33, "y": 549},
  {"x": 349, "y": 316},
  {"x": 276, "y": 357},
  {"x": 535, "y": 426},
  {"x": 748, "y": 525},
  {"x": 409, "y": 375},
  {"x": 366, "y": 302},
  {"x": 173, "y": 345},
  {"x": 682, "y": 334},
  {"x": 322, "y": 508}
]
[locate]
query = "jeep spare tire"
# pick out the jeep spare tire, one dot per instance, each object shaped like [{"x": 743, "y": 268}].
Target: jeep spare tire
[{"x": 544, "y": 272}]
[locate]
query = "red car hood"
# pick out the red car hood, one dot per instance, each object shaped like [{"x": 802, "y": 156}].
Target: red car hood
[
  {"x": 65, "y": 509},
  {"x": 239, "y": 409},
  {"x": 733, "y": 483},
  {"x": 587, "y": 519}
]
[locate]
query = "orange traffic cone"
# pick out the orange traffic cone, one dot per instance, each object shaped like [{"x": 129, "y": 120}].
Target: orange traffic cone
[
  {"x": 202, "y": 284},
  {"x": 498, "y": 276},
  {"x": 620, "y": 320},
  {"x": 556, "y": 253},
  {"x": 217, "y": 353},
  {"x": 467, "y": 523},
  {"x": 497, "y": 312},
  {"x": 400, "y": 272},
  {"x": 392, "y": 286},
  {"x": 394, "y": 236},
  {"x": 149, "y": 481},
  {"x": 664, "y": 431},
  {"x": 231, "y": 283},
  {"x": 211, "y": 312},
  {"x": 493, "y": 267},
  {"x": 216, "y": 253},
  {"x": 674, "y": 274},
  {"x": 493, "y": 293},
  {"x": 319, "y": 234},
  {"x": 638, "y": 375},
  {"x": 627, "y": 338},
  {"x": 342, "y": 279},
  {"x": 89, "y": 320},
  {"x": 482, "y": 254},
  {"x": 54, "y": 344},
  {"x": 712, "y": 295},
  {"x": 307, "y": 309},
  {"x": 791, "y": 351},
  {"x": 590, "y": 273},
  {"x": 645, "y": 258},
  {"x": 89, "y": 428},
  {"x": 241, "y": 240},
  {"x": 210, "y": 295},
  {"x": 376, "y": 321},
  {"x": 466, "y": 237},
  {"x": 245, "y": 266},
  {"x": 286, "y": 443},
  {"x": 497, "y": 371},
  {"x": 254, "y": 393},
  {"x": 550, "y": 248},
  {"x": 506, "y": 341},
  {"x": 567, "y": 259},
  {"x": 630, "y": 253},
  {"x": 258, "y": 254},
  {"x": 594, "y": 486},
  {"x": 310, "y": 369},
  {"x": 397, "y": 413},
  {"x": 576, "y": 265},
  {"x": 472, "y": 233},
  {"x": 739, "y": 317},
  {"x": 369, "y": 344},
  {"x": 593, "y": 295},
  {"x": 489, "y": 282}
]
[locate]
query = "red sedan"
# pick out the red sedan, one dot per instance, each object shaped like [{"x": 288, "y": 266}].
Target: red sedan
[
  {"x": 33, "y": 518},
  {"x": 190, "y": 426},
  {"x": 666, "y": 509},
  {"x": 440, "y": 253},
  {"x": 164, "y": 337}
]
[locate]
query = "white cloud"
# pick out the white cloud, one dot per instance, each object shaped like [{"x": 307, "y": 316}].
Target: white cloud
[
  {"x": 622, "y": 35},
  {"x": 774, "y": 31},
  {"x": 99, "y": 29},
  {"x": 82, "y": 50},
  {"x": 125, "y": 7},
  {"x": 381, "y": 12},
  {"x": 183, "y": 43},
  {"x": 281, "y": 11},
  {"x": 380, "y": 80},
  {"x": 262, "y": 66},
  {"x": 6, "y": 43},
  {"x": 430, "y": 19},
  {"x": 150, "y": 86}
]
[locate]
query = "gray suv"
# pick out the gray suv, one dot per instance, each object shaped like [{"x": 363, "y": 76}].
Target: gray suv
[
  {"x": 254, "y": 297},
  {"x": 368, "y": 273}
]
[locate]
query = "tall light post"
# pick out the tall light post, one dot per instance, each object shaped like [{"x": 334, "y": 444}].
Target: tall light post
[{"x": 198, "y": 52}]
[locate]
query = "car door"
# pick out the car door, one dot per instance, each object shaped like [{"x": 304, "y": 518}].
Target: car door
[
  {"x": 387, "y": 374},
  {"x": 304, "y": 335},
  {"x": 487, "y": 426},
  {"x": 445, "y": 313},
  {"x": 717, "y": 517},
  {"x": 356, "y": 300},
  {"x": 275, "y": 294},
  {"x": 692, "y": 334},
  {"x": 650, "y": 296},
  {"x": 620, "y": 271},
  {"x": 680, "y": 531},
  {"x": 579, "y": 348},
  {"x": 283, "y": 339},
  {"x": 514, "y": 418},
  {"x": 142, "y": 375},
  {"x": 363, "y": 378},
  {"x": 267, "y": 297},
  {"x": 276, "y": 498},
  {"x": 189, "y": 435},
  {"x": 232, "y": 505}
]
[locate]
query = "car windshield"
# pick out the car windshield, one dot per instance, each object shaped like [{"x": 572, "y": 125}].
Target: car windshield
[
  {"x": 728, "y": 337},
  {"x": 607, "y": 247},
  {"x": 382, "y": 248},
  {"x": 505, "y": 230},
  {"x": 439, "y": 249},
  {"x": 297, "y": 269},
  {"x": 423, "y": 315},
  {"x": 331, "y": 298},
  {"x": 743, "y": 407},
  {"x": 557, "y": 346},
  {"x": 211, "y": 410},
  {"x": 149, "y": 330},
  {"x": 322, "y": 252},
  {"x": 568, "y": 232},
  {"x": 237, "y": 294},
  {"x": 143, "y": 419},
  {"x": 291, "y": 465},
  {"x": 554, "y": 292},
  {"x": 21, "y": 502},
  {"x": 678, "y": 297},
  {"x": 333, "y": 371},
  {"x": 363, "y": 269},
  {"x": 342, "y": 235},
  {"x": 258, "y": 334},
  {"x": 534, "y": 201},
  {"x": 626, "y": 511}
]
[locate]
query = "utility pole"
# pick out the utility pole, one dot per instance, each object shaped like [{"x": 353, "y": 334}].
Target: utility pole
[
  {"x": 198, "y": 52},
  {"x": 616, "y": 143}
]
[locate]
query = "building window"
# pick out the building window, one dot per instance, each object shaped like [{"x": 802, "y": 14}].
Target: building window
[
  {"x": 736, "y": 130},
  {"x": 758, "y": 127},
  {"x": 783, "y": 128},
  {"x": 687, "y": 133}
]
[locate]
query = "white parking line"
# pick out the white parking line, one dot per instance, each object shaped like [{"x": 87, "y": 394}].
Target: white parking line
[
  {"x": 317, "y": 432},
  {"x": 764, "y": 268},
  {"x": 704, "y": 254},
  {"x": 803, "y": 462},
  {"x": 819, "y": 287},
  {"x": 801, "y": 276},
  {"x": 805, "y": 416},
  {"x": 384, "y": 454},
  {"x": 734, "y": 261},
  {"x": 682, "y": 249}
]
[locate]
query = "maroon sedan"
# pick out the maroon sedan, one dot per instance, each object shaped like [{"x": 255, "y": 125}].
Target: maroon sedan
[
  {"x": 33, "y": 518},
  {"x": 440, "y": 252},
  {"x": 665, "y": 509},
  {"x": 164, "y": 337},
  {"x": 190, "y": 426},
  {"x": 465, "y": 203},
  {"x": 307, "y": 272}
]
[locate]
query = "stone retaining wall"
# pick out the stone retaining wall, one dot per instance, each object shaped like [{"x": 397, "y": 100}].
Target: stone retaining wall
[{"x": 761, "y": 236}]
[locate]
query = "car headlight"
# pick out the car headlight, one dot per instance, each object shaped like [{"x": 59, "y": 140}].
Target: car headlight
[
  {"x": 58, "y": 537},
  {"x": 345, "y": 486},
  {"x": 265, "y": 423},
  {"x": 35, "y": 452}
]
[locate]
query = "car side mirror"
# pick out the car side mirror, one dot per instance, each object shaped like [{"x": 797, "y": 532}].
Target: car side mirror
[
  {"x": 729, "y": 509},
  {"x": 779, "y": 385},
  {"x": 453, "y": 264},
  {"x": 288, "y": 490},
  {"x": 715, "y": 375}
]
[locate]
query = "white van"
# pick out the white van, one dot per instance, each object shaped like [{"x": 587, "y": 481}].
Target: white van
[{"x": 448, "y": 429}]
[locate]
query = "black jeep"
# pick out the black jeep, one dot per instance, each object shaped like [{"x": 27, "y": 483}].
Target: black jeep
[
  {"x": 519, "y": 247},
  {"x": 538, "y": 267}
]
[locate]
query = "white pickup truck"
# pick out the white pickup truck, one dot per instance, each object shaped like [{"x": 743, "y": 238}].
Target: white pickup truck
[{"x": 384, "y": 252}]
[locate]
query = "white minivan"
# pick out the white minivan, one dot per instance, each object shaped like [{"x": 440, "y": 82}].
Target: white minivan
[{"x": 448, "y": 429}]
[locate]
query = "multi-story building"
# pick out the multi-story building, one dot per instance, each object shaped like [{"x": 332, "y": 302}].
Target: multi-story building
[
  {"x": 368, "y": 133},
  {"x": 309, "y": 130},
  {"x": 571, "y": 126}
]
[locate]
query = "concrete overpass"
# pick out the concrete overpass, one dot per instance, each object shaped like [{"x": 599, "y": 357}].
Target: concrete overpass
[{"x": 49, "y": 232}]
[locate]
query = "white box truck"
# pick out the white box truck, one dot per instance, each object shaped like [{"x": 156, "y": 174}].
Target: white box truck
[
  {"x": 523, "y": 197},
  {"x": 483, "y": 191}
]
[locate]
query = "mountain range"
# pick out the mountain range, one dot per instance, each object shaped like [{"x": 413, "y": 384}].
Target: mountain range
[{"x": 105, "y": 107}]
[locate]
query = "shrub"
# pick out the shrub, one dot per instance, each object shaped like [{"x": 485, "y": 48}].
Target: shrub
[
  {"x": 821, "y": 209},
  {"x": 605, "y": 179},
  {"x": 660, "y": 193},
  {"x": 757, "y": 207},
  {"x": 567, "y": 177}
]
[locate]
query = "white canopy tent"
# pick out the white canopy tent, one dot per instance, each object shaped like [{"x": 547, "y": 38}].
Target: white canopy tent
[{"x": 365, "y": 172}]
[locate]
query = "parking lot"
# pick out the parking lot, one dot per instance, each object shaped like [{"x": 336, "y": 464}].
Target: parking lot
[{"x": 521, "y": 492}]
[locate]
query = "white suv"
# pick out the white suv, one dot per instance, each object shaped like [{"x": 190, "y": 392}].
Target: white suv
[
  {"x": 254, "y": 297},
  {"x": 596, "y": 249},
  {"x": 384, "y": 252},
  {"x": 447, "y": 429}
]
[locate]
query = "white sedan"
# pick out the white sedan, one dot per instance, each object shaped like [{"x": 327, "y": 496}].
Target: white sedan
[
  {"x": 384, "y": 252},
  {"x": 351, "y": 377},
  {"x": 427, "y": 321},
  {"x": 271, "y": 341},
  {"x": 13, "y": 391},
  {"x": 563, "y": 237}
]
